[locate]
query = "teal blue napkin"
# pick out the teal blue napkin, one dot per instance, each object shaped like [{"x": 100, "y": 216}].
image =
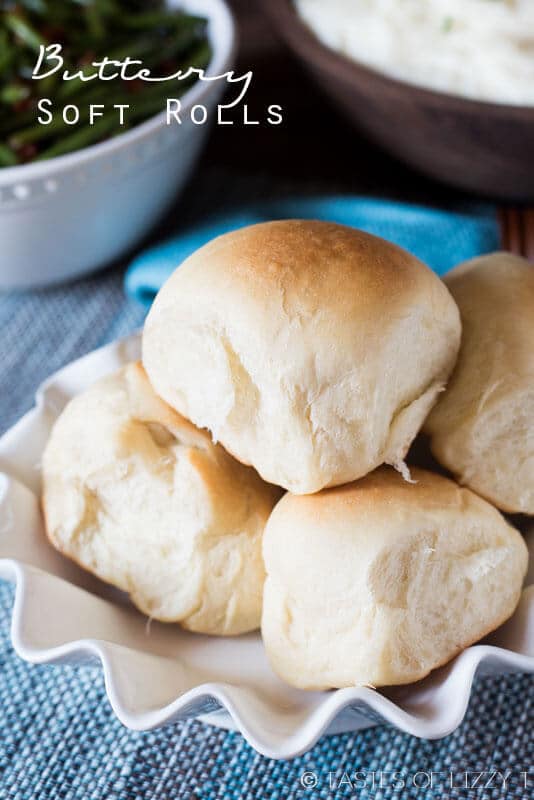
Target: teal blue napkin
[{"x": 440, "y": 238}]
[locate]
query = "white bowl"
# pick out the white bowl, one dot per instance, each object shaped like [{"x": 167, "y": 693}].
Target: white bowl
[
  {"x": 157, "y": 673},
  {"x": 72, "y": 214}
]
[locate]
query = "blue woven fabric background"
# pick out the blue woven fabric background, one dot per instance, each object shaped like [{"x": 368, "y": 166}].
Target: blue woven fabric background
[
  {"x": 58, "y": 735},
  {"x": 441, "y": 238}
]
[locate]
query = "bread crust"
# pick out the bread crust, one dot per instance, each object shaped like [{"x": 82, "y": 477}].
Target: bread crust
[
  {"x": 135, "y": 494},
  {"x": 312, "y": 351},
  {"x": 482, "y": 428},
  {"x": 380, "y": 582}
]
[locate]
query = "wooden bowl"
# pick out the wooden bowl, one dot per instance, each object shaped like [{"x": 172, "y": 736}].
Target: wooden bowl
[{"x": 487, "y": 148}]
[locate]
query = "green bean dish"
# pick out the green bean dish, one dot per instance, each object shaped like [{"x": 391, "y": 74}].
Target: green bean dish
[{"x": 163, "y": 40}]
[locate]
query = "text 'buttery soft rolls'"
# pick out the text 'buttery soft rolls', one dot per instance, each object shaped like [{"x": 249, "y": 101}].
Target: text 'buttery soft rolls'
[
  {"x": 137, "y": 495},
  {"x": 312, "y": 351}
]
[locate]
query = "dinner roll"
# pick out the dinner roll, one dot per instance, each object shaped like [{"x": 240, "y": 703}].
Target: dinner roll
[
  {"x": 310, "y": 350},
  {"x": 381, "y": 581},
  {"x": 483, "y": 426},
  {"x": 138, "y": 496}
]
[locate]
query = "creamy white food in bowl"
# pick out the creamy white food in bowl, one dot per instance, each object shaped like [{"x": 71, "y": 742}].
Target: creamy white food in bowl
[{"x": 481, "y": 49}]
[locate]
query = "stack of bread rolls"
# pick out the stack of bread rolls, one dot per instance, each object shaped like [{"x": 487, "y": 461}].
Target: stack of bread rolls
[{"x": 254, "y": 468}]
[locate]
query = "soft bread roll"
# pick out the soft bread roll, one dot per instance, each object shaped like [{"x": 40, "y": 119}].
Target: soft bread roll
[
  {"x": 483, "y": 426},
  {"x": 138, "y": 496},
  {"x": 381, "y": 581},
  {"x": 310, "y": 350}
]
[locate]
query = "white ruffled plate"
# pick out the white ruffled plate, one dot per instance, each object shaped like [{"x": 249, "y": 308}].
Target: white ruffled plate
[{"x": 156, "y": 673}]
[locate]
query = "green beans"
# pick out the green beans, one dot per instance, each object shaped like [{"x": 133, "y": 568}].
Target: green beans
[
  {"x": 7, "y": 156},
  {"x": 14, "y": 93},
  {"x": 23, "y": 31},
  {"x": 164, "y": 40}
]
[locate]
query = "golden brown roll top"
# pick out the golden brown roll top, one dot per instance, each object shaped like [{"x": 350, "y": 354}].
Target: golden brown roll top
[
  {"x": 381, "y": 581},
  {"x": 310, "y": 350}
]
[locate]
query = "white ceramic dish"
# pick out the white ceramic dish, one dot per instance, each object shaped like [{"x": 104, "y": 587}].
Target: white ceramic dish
[
  {"x": 158, "y": 673},
  {"x": 69, "y": 215}
]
